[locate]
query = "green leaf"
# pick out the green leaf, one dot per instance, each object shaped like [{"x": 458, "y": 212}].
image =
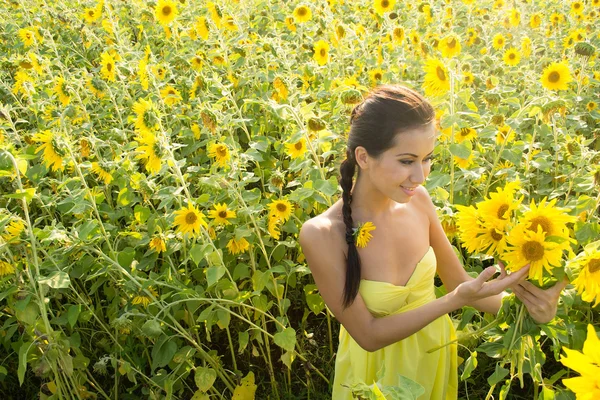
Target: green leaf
[
  {"x": 286, "y": 339},
  {"x": 243, "y": 339},
  {"x": 204, "y": 378},
  {"x": 163, "y": 352},
  {"x": 141, "y": 213},
  {"x": 460, "y": 150},
  {"x": 26, "y": 194},
  {"x": 152, "y": 329},
  {"x": 213, "y": 274},
  {"x": 328, "y": 188},
  {"x": 73, "y": 314},
  {"x": 86, "y": 228},
  {"x": 56, "y": 280},
  {"x": 499, "y": 374},
  {"x": 315, "y": 303},
  {"x": 125, "y": 257},
  {"x": 125, "y": 197},
  {"x": 23, "y": 351},
  {"x": 198, "y": 252},
  {"x": 470, "y": 365}
]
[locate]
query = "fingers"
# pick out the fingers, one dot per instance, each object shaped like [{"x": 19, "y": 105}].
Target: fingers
[
  {"x": 503, "y": 273},
  {"x": 486, "y": 274}
]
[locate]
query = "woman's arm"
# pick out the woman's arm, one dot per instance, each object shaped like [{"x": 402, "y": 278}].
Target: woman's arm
[{"x": 326, "y": 261}]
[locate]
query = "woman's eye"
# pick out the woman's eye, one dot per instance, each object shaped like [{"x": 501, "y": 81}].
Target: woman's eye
[{"x": 406, "y": 162}]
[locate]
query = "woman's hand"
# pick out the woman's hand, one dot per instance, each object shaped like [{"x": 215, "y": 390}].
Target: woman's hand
[
  {"x": 540, "y": 303},
  {"x": 479, "y": 288}
]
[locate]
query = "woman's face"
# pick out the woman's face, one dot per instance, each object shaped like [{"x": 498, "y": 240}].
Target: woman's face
[{"x": 400, "y": 169}]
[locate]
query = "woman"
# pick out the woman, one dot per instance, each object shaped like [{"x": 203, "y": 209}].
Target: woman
[{"x": 383, "y": 293}]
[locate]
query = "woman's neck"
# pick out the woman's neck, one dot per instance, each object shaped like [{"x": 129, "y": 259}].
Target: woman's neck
[{"x": 368, "y": 202}]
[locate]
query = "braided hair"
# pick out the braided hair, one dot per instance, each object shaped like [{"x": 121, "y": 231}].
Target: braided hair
[{"x": 374, "y": 124}]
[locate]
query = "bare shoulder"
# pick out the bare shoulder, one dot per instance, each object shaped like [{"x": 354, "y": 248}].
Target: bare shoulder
[
  {"x": 321, "y": 231},
  {"x": 424, "y": 202}
]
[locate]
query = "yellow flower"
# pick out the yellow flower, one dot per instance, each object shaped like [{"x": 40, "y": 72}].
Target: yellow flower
[
  {"x": 464, "y": 163},
  {"x": 150, "y": 151},
  {"x": 587, "y": 265},
  {"x": 201, "y": 27},
  {"x": 436, "y": 80},
  {"x": 158, "y": 244},
  {"x": 450, "y": 46},
  {"x": 536, "y": 20},
  {"x": 471, "y": 228},
  {"x": 472, "y": 36},
  {"x": 511, "y": 57},
  {"x": 229, "y": 23},
  {"x": 91, "y": 15},
  {"x": 189, "y": 220},
  {"x": 237, "y": 246},
  {"x": 6, "y": 268},
  {"x": 465, "y": 134},
  {"x": 468, "y": 78},
  {"x": 13, "y": 230},
  {"x": 398, "y": 35},
  {"x": 576, "y": 8},
  {"x": 60, "y": 88},
  {"x": 295, "y": 150},
  {"x": 170, "y": 95},
  {"x": 94, "y": 84},
  {"x": 221, "y": 214},
  {"x": 289, "y": 23},
  {"x": 215, "y": 13},
  {"x": 528, "y": 247},
  {"x": 375, "y": 76},
  {"x": 102, "y": 173},
  {"x": 282, "y": 209},
  {"x": 220, "y": 153},
  {"x": 108, "y": 70},
  {"x": 160, "y": 72},
  {"x": 165, "y": 11},
  {"x": 143, "y": 72},
  {"x": 498, "y": 41},
  {"x": 321, "y": 55},
  {"x": 497, "y": 209},
  {"x": 196, "y": 62},
  {"x": 591, "y": 106},
  {"x": 505, "y": 134},
  {"x": 586, "y": 386},
  {"x": 52, "y": 153},
  {"x": 556, "y": 76},
  {"x": 553, "y": 220},
  {"x": 302, "y": 14},
  {"x": 526, "y": 46},
  {"x": 27, "y": 36},
  {"x": 146, "y": 120},
  {"x": 383, "y": 6},
  {"x": 362, "y": 234},
  {"x": 143, "y": 299},
  {"x": 273, "y": 227}
]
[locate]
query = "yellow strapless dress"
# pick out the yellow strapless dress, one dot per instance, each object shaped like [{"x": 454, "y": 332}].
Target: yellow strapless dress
[{"x": 437, "y": 372}]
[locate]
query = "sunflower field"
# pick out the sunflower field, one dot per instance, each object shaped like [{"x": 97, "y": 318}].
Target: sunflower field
[{"x": 158, "y": 158}]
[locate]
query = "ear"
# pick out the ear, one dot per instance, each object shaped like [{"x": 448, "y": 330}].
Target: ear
[{"x": 362, "y": 157}]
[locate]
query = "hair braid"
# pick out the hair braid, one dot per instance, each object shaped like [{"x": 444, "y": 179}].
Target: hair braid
[{"x": 352, "y": 261}]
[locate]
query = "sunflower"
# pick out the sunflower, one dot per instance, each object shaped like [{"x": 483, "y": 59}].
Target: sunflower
[
  {"x": 108, "y": 67},
  {"x": 281, "y": 209},
  {"x": 468, "y": 78},
  {"x": 143, "y": 299},
  {"x": 289, "y": 23},
  {"x": 24, "y": 83},
  {"x": 556, "y": 76},
  {"x": 505, "y": 134},
  {"x": 158, "y": 244},
  {"x": 220, "y": 153},
  {"x": 189, "y": 220},
  {"x": 273, "y": 227},
  {"x": 221, "y": 214},
  {"x": 375, "y": 76},
  {"x": 398, "y": 35},
  {"x": 591, "y": 106},
  {"x": 201, "y": 27},
  {"x": 102, "y": 173},
  {"x": 302, "y": 14},
  {"x": 196, "y": 62},
  {"x": 150, "y": 151},
  {"x": 53, "y": 154},
  {"x": 237, "y": 246},
  {"x": 465, "y": 134},
  {"x": 170, "y": 95},
  {"x": 215, "y": 13},
  {"x": 576, "y": 8},
  {"x": 556, "y": 19},
  {"x": 587, "y": 364},
  {"x": 94, "y": 84},
  {"x": 295, "y": 150},
  {"x": 6, "y": 268},
  {"x": 511, "y": 57},
  {"x": 498, "y": 208},
  {"x": 587, "y": 282},
  {"x": 383, "y": 6},
  {"x": 281, "y": 90},
  {"x": 165, "y": 11},
  {"x": 27, "y": 36},
  {"x": 321, "y": 55},
  {"x": 498, "y": 41},
  {"x": 91, "y": 15},
  {"x": 535, "y": 21},
  {"x": 160, "y": 72},
  {"x": 450, "y": 46},
  {"x": 528, "y": 247},
  {"x": 437, "y": 80},
  {"x": 553, "y": 220},
  {"x": 526, "y": 46},
  {"x": 470, "y": 227},
  {"x": 13, "y": 230},
  {"x": 146, "y": 119},
  {"x": 471, "y": 36},
  {"x": 464, "y": 163},
  {"x": 414, "y": 38},
  {"x": 362, "y": 234},
  {"x": 60, "y": 88}
]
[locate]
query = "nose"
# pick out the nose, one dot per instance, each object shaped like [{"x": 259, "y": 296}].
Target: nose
[{"x": 418, "y": 175}]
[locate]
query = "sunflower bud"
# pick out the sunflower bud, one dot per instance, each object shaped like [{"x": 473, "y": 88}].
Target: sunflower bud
[
  {"x": 209, "y": 121},
  {"x": 498, "y": 120},
  {"x": 316, "y": 124},
  {"x": 553, "y": 106},
  {"x": 492, "y": 98},
  {"x": 585, "y": 49},
  {"x": 597, "y": 177},
  {"x": 351, "y": 96}
]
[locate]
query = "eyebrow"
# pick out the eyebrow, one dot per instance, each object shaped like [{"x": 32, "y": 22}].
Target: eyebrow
[{"x": 411, "y": 154}]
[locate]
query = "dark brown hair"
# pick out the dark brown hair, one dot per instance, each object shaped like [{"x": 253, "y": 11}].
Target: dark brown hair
[{"x": 385, "y": 112}]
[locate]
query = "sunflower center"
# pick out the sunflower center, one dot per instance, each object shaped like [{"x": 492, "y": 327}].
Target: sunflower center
[
  {"x": 495, "y": 235},
  {"x": 512, "y": 56},
  {"x": 222, "y": 151},
  {"x": 298, "y": 146},
  {"x": 223, "y": 214},
  {"x": 554, "y": 76},
  {"x": 594, "y": 265},
  {"x": 166, "y": 11},
  {"x": 464, "y": 132},
  {"x": 191, "y": 218},
  {"x": 302, "y": 11},
  {"x": 533, "y": 251},
  {"x": 441, "y": 74},
  {"x": 323, "y": 52},
  {"x": 171, "y": 92},
  {"x": 91, "y": 13},
  {"x": 503, "y": 208},
  {"x": 385, "y": 4},
  {"x": 576, "y": 6},
  {"x": 109, "y": 67},
  {"x": 377, "y": 76},
  {"x": 281, "y": 207},
  {"x": 452, "y": 43},
  {"x": 544, "y": 222}
]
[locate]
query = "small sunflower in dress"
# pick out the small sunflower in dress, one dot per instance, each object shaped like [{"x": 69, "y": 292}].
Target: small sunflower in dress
[
  {"x": 362, "y": 234},
  {"x": 189, "y": 220}
]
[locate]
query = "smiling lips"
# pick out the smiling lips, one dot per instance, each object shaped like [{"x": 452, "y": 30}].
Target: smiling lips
[{"x": 409, "y": 191}]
